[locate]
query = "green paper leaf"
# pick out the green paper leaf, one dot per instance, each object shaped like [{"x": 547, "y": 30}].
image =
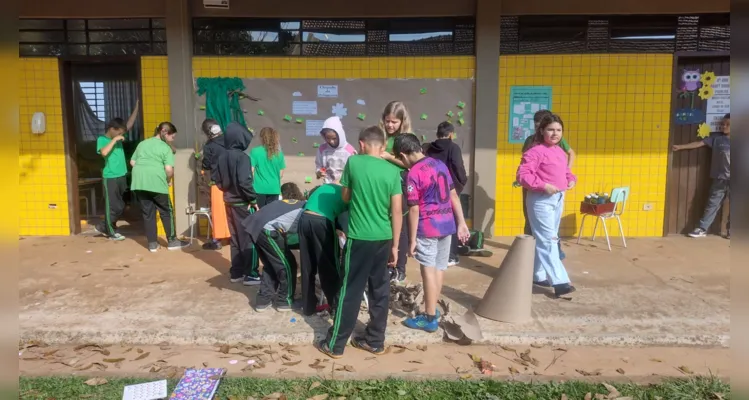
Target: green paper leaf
[
  {"x": 461, "y": 105},
  {"x": 423, "y": 117},
  {"x": 423, "y": 91},
  {"x": 450, "y": 114},
  {"x": 260, "y": 112},
  {"x": 300, "y": 154},
  {"x": 202, "y": 108},
  {"x": 294, "y": 140},
  {"x": 299, "y": 120},
  {"x": 251, "y": 130},
  {"x": 361, "y": 116},
  {"x": 307, "y": 179},
  {"x": 423, "y": 138},
  {"x": 287, "y": 118},
  {"x": 461, "y": 121},
  {"x": 460, "y": 114},
  {"x": 315, "y": 145}
]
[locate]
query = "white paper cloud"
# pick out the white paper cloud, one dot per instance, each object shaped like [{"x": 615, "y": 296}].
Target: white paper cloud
[
  {"x": 297, "y": 94},
  {"x": 361, "y": 102}
]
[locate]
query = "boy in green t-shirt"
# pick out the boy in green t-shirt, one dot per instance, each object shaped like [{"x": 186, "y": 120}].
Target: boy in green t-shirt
[
  {"x": 153, "y": 169},
  {"x": 114, "y": 174},
  {"x": 372, "y": 187},
  {"x": 537, "y": 117}
]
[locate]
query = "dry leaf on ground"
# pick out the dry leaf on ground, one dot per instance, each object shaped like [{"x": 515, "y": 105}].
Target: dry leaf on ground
[
  {"x": 224, "y": 349},
  {"x": 656, "y": 360},
  {"x": 275, "y": 396},
  {"x": 416, "y": 362},
  {"x": 292, "y": 363},
  {"x": 314, "y": 385},
  {"x": 411, "y": 370},
  {"x": 564, "y": 397},
  {"x": 613, "y": 392},
  {"x": 421, "y": 348},
  {"x": 588, "y": 396},
  {"x": 513, "y": 370},
  {"x": 319, "y": 397},
  {"x": 537, "y": 346},
  {"x": 586, "y": 373},
  {"x": 96, "y": 381},
  {"x": 142, "y": 356},
  {"x": 113, "y": 360},
  {"x": 684, "y": 369}
]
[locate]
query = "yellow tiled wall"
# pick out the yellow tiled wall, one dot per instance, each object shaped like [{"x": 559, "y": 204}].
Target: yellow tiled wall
[
  {"x": 43, "y": 208},
  {"x": 615, "y": 110},
  {"x": 156, "y": 109}
]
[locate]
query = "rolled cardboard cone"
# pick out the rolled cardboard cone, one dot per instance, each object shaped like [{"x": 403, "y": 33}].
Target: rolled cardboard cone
[
  {"x": 469, "y": 324},
  {"x": 509, "y": 296}
]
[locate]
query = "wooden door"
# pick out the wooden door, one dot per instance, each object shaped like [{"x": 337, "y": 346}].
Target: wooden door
[{"x": 689, "y": 172}]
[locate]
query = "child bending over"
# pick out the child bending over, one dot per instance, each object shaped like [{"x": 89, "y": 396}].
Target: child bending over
[{"x": 434, "y": 207}]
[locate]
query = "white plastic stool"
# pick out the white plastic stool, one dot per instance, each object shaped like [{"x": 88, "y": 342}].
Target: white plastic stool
[{"x": 194, "y": 218}]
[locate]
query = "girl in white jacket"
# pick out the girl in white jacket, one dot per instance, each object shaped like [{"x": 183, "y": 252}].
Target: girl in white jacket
[{"x": 334, "y": 153}]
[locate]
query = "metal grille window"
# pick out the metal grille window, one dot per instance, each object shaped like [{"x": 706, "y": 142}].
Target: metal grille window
[
  {"x": 614, "y": 34},
  {"x": 334, "y": 37},
  {"x": 92, "y": 37}
]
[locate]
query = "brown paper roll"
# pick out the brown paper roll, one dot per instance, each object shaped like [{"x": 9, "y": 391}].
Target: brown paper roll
[{"x": 508, "y": 298}]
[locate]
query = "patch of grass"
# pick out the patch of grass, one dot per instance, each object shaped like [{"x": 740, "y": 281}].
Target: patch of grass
[{"x": 63, "y": 388}]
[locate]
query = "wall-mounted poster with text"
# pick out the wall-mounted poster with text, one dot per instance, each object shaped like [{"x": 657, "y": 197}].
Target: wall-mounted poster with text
[{"x": 524, "y": 102}]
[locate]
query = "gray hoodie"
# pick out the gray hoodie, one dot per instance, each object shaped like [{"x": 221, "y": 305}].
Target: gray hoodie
[{"x": 333, "y": 160}]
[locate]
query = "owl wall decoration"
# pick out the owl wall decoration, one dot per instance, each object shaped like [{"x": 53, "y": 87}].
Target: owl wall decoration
[{"x": 690, "y": 80}]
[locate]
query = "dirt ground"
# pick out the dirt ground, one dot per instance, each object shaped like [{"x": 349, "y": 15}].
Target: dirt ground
[
  {"x": 448, "y": 361},
  {"x": 656, "y": 292}
]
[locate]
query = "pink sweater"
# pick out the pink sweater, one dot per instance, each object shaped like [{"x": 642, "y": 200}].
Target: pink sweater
[{"x": 543, "y": 164}]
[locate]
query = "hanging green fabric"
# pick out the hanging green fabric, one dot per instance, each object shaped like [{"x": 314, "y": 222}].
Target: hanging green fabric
[{"x": 219, "y": 104}]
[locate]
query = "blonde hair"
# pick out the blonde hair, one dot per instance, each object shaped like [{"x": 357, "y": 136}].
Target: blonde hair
[
  {"x": 270, "y": 140},
  {"x": 398, "y": 110}
]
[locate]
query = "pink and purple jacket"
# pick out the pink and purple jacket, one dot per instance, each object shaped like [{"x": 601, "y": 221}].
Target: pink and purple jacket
[
  {"x": 543, "y": 164},
  {"x": 333, "y": 160},
  {"x": 429, "y": 186}
]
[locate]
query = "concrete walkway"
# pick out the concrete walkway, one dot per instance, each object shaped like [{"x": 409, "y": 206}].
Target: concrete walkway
[{"x": 671, "y": 291}]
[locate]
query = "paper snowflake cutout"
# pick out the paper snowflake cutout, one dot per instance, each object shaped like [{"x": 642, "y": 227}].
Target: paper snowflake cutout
[{"x": 339, "y": 110}]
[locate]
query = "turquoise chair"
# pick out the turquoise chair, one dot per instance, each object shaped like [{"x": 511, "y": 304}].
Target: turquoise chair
[{"x": 619, "y": 197}]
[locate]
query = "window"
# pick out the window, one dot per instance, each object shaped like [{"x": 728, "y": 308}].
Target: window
[
  {"x": 92, "y": 37},
  {"x": 94, "y": 94},
  {"x": 334, "y": 37}
]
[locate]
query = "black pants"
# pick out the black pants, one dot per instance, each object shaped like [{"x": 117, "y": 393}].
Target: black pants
[
  {"x": 278, "y": 281},
  {"x": 403, "y": 244},
  {"x": 318, "y": 253},
  {"x": 114, "y": 191},
  {"x": 363, "y": 265},
  {"x": 527, "y": 226},
  {"x": 149, "y": 203},
  {"x": 265, "y": 199},
  {"x": 244, "y": 259}
]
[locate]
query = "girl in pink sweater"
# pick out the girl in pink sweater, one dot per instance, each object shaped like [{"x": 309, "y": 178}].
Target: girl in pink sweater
[{"x": 544, "y": 171}]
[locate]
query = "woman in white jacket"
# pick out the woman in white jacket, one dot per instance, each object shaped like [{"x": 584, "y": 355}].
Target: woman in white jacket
[{"x": 334, "y": 153}]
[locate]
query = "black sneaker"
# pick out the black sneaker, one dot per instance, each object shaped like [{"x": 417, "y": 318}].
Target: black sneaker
[
  {"x": 362, "y": 344},
  {"x": 251, "y": 280},
  {"x": 400, "y": 277},
  {"x": 453, "y": 262},
  {"x": 697, "y": 233},
  {"x": 322, "y": 347},
  {"x": 260, "y": 307},
  {"x": 153, "y": 247},
  {"x": 393, "y": 274},
  {"x": 542, "y": 283},
  {"x": 212, "y": 245},
  {"x": 236, "y": 279},
  {"x": 176, "y": 244},
  {"x": 561, "y": 290}
]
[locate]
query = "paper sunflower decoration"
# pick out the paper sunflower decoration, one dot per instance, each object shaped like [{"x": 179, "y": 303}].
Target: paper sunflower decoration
[
  {"x": 703, "y": 130},
  {"x": 706, "y": 92},
  {"x": 708, "y": 78}
]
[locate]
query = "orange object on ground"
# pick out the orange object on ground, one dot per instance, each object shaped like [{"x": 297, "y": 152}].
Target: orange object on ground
[{"x": 218, "y": 214}]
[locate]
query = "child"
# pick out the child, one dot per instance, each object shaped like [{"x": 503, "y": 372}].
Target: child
[
  {"x": 545, "y": 172},
  {"x": 434, "y": 209},
  {"x": 269, "y": 228},
  {"x": 212, "y": 148},
  {"x": 447, "y": 151},
  {"x": 372, "y": 188},
  {"x": 319, "y": 247},
  {"x": 333, "y": 154},
  {"x": 720, "y": 173},
  {"x": 537, "y": 117},
  {"x": 153, "y": 170},
  {"x": 114, "y": 174},
  {"x": 396, "y": 121},
  {"x": 233, "y": 176},
  {"x": 268, "y": 164}
]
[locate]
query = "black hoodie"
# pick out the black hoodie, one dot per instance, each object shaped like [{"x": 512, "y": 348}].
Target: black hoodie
[
  {"x": 449, "y": 153},
  {"x": 212, "y": 149},
  {"x": 233, "y": 173}
]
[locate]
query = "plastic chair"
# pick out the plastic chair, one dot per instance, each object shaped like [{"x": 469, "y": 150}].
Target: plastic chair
[
  {"x": 619, "y": 197},
  {"x": 194, "y": 217}
]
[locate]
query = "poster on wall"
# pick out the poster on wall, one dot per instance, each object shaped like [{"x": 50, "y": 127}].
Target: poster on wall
[
  {"x": 720, "y": 104},
  {"x": 524, "y": 102}
]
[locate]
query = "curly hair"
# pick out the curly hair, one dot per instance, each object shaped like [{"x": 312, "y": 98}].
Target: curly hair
[{"x": 271, "y": 141}]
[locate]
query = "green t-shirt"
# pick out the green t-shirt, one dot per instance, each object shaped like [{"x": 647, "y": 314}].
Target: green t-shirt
[
  {"x": 151, "y": 156},
  {"x": 529, "y": 141},
  {"x": 389, "y": 144},
  {"x": 372, "y": 181},
  {"x": 114, "y": 163},
  {"x": 267, "y": 171},
  {"x": 327, "y": 201}
]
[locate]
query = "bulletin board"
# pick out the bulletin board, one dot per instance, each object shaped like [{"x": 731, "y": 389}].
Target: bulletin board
[{"x": 298, "y": 107}]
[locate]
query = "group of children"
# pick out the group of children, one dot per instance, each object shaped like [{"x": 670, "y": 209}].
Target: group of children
[{"x": 351, "y": 230}]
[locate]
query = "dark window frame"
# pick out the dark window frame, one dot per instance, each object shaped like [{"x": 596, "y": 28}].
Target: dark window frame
[
  {"x": 71, "y": 47},
  {"x": 376, "y": 37}
]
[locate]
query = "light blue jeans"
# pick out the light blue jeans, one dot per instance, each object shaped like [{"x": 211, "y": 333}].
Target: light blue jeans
[{"x": 544, "y": 215}]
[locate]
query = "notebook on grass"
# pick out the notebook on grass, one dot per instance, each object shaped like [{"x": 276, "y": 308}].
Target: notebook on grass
[{"x": 198, "y": 384}]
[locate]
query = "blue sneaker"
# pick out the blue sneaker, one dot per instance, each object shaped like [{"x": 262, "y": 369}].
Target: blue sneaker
[{"x": 421, "y": 322}]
